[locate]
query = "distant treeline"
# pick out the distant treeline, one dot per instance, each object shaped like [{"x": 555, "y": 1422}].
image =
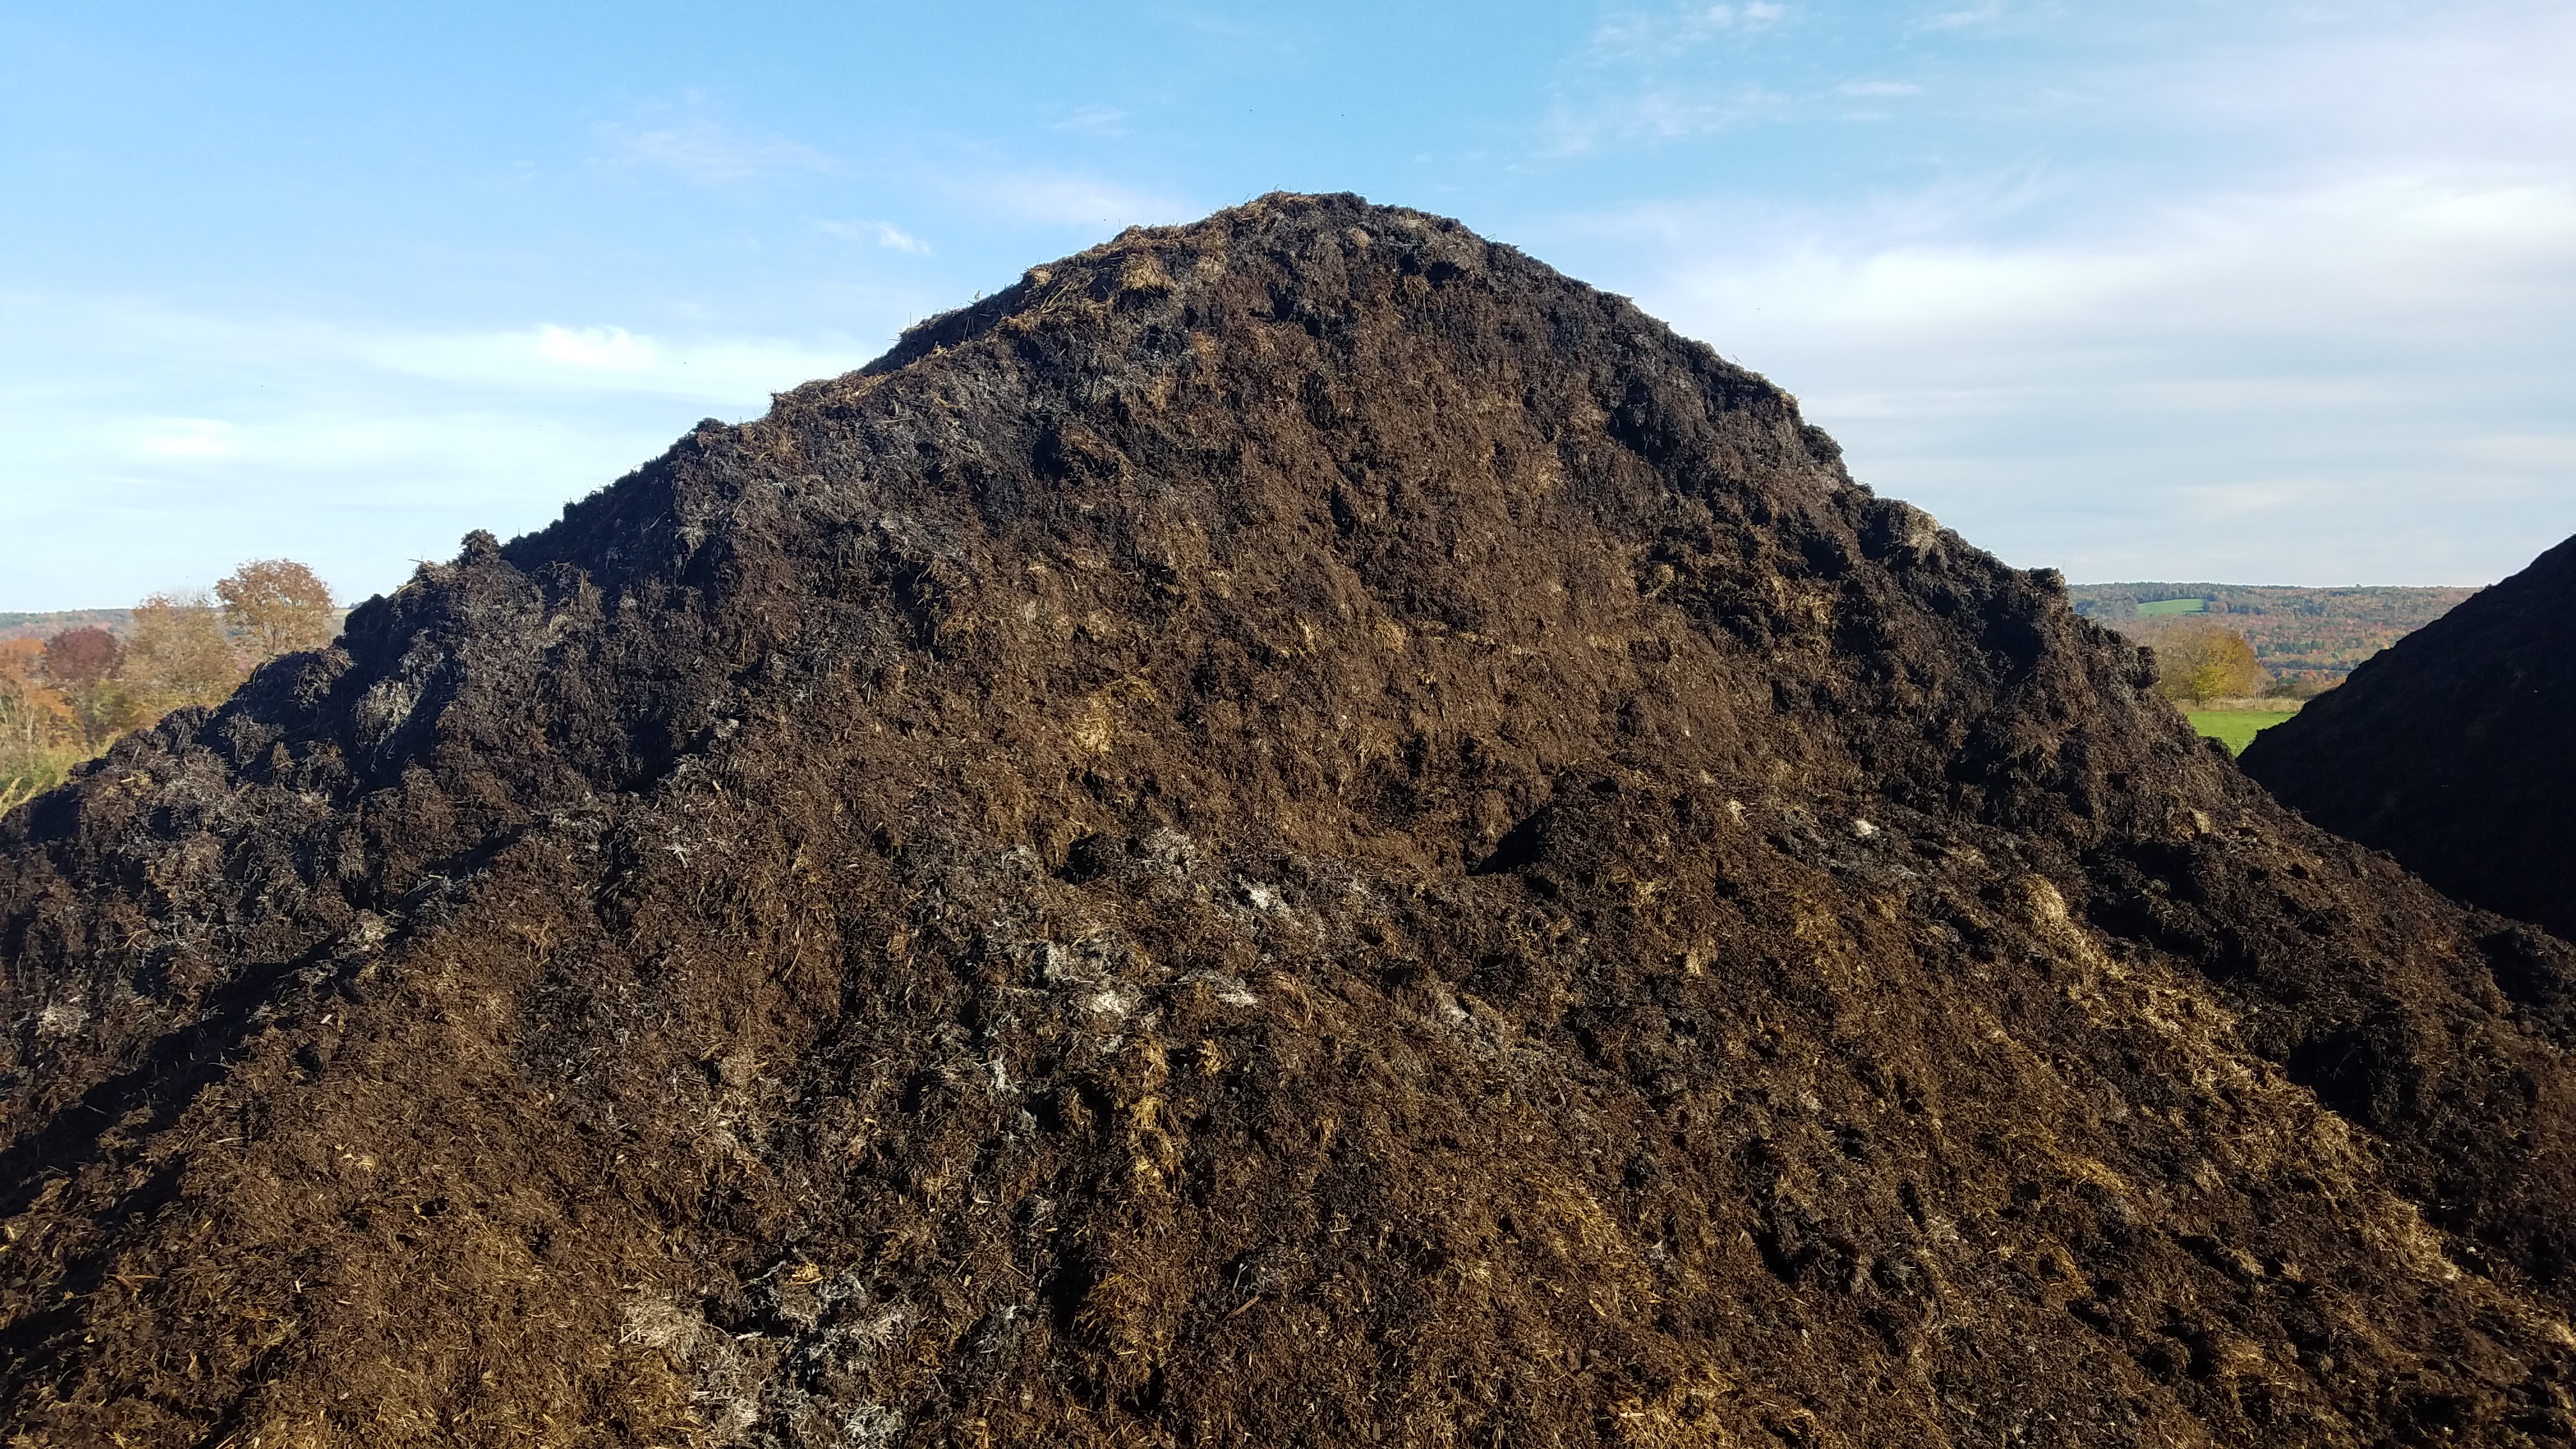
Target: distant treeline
[
  {"x": 2310, "y": 637},
  {"x": 44, "y": 626},
  {"x": 70, "y": 683}
]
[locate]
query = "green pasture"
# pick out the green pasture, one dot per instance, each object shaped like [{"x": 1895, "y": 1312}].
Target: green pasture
[
  {"x": 2162, "y": 607},
  {"x": 2235, "y": 728}
]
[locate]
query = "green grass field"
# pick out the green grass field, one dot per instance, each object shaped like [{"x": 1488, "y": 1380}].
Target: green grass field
[
  {"x": 2163, "y": 607},
  {"x": 2235, "y": 728}
]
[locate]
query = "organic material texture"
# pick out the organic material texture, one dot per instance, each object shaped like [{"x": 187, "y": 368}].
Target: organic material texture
[
  {"x": 2455, "y": 750},
  {"x": 1295, "y": 831}
]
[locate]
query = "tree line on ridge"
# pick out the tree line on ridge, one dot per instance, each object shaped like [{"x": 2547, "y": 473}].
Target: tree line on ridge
[{"x": 66, "y": 698}]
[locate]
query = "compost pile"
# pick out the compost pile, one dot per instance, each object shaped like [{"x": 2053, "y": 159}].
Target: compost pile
[
  {"x": 2455, "y": 750},
  {"x": 1297, "y": 830}
]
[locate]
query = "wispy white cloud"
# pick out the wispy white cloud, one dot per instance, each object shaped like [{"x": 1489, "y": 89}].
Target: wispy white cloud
[
  {"x": 357, "y": 484},
  {"x": 543, "y": 360},
  {"x": 1070, "y": 199},
  {"x": 1632, "y": 35},
  {"x": 1658, "y": 113},
  {"x": 883, "y": 233},
  {"x": 1984, "y": 13},
  {"x": 353, "y": 449},
  {"x": 184, "y": 437},
  {"x": 2316, "y": 263},
  {"x": 707, "y": 151},
  {"x": 1098, "y": 120},
  {"x": 1650, "y": 77},
  {"x": 2321, "y": 377},
  {"x": 550, "y": 357},
  {"x": 2304, "y": 318},
  {"x": 596, "y": 349}
]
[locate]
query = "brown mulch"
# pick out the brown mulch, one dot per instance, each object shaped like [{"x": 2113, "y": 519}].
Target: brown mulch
[{"x": 1295, "y": 831}]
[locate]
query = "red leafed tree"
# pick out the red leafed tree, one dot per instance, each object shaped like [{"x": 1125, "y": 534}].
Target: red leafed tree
[
  {"x": 85, "y": 667},
  {"x": 83, "y": 656}
]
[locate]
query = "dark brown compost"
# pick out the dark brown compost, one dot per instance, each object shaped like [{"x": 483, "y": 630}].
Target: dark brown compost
[
  {"x": 2455, "y": 750},
  {"x": 1297, "y": 831}
]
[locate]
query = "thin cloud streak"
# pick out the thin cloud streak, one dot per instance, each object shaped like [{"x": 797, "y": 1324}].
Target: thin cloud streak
[
  {"x": 1096, "y": 120},
  {"x": 547, "y": 358},
  {"x": 552, "y": 358},
  {"x": 1974, "y": 17},
  {"x": 882, "y": 233},
  {"x": 1642, "y": 78},
  {"x": 2358, "y": 257},
  {"x": 1631, "y": 35},
  {"x": 1069, "y": 199},
  {"x": 710, "y": 153},
  {"x": 339, "y": 446}
]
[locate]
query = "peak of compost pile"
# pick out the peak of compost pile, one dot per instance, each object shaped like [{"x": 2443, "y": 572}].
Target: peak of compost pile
[
  {"x": 2455, "y": 750},
  {"x": 1295, "y": 831}
]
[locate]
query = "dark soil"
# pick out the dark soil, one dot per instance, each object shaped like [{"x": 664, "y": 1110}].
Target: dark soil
[
  {"x": 2455, "y": 751},
  {"x": 1295, "y": 831}
]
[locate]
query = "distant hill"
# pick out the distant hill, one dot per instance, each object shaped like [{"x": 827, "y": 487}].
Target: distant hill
[
  {"x": 119, "y": 622},
  {"x": 2316, "y": 633},
  {"x": 45, "y": 626}
]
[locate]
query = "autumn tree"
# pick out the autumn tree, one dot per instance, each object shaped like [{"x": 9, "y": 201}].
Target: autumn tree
[
  {"x": 2198, "y": 661},
  {"x": 39, "y": 738},
  {"x": 83, "y": 666},
  {"x": 277, "y": 606},
  {"x": 30, "y": 714},
  {"x": 179, "y": 654}
]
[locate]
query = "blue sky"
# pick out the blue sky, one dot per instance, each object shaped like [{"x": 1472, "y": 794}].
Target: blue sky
[{"x": 2251, "y": 292}]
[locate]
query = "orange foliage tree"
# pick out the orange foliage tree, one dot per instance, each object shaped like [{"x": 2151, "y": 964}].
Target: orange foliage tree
[{"x": 39, "y": 735}]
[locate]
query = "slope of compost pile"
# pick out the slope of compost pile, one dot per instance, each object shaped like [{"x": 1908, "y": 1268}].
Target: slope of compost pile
[
  {"x": 2455, "y": 750},
  {"x": 1295, "y": 831}
]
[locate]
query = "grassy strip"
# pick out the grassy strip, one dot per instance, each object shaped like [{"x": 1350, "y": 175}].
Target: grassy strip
[
  {"x": 27, "y": 772},
  {"x": 2235, "y": 728}
]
